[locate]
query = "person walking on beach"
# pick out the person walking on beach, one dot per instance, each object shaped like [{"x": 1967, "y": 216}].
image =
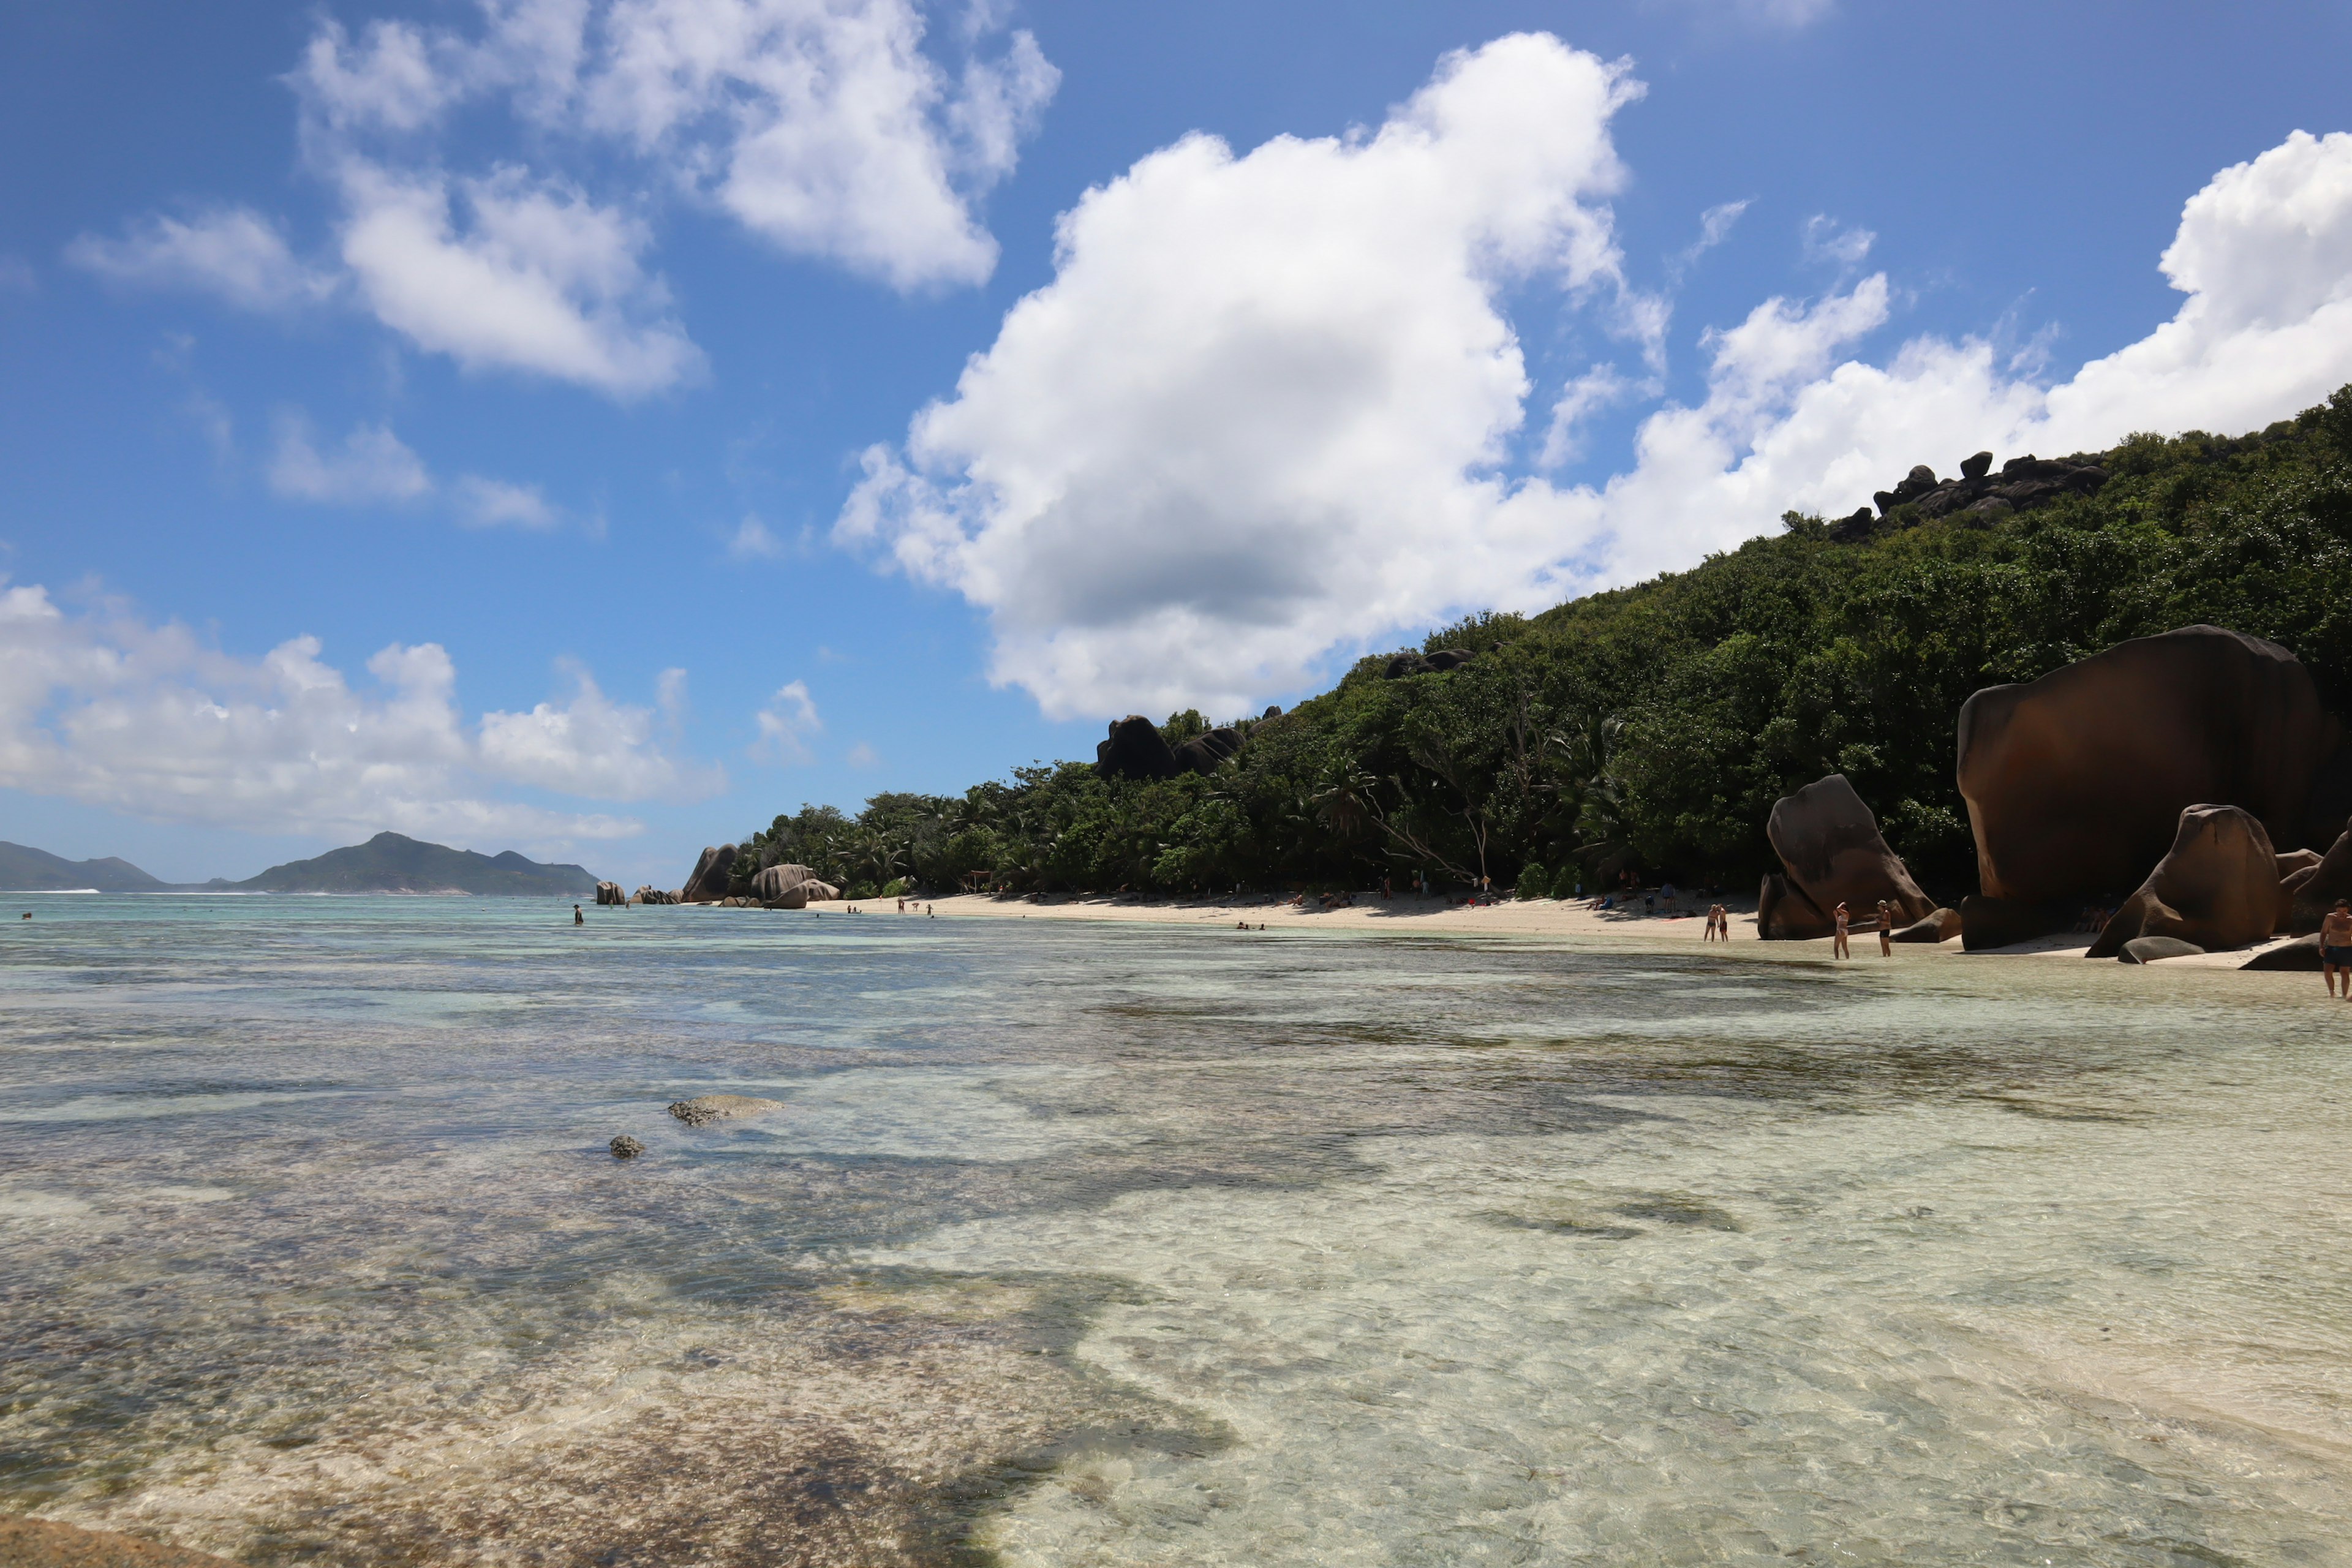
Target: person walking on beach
[
  {"x": 2336, "y": 948},
  {"x": 1885, "y": 929},
  {"x": 1720, "y": 919},
  {"x": 1838, "y": 948}
]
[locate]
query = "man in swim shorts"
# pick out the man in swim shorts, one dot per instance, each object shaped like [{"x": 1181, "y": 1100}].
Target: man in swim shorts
[{"x": 2335, "y": 949}]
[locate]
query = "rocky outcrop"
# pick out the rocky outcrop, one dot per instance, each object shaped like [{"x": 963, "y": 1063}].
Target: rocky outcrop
[
  {"x": 625, "y": 1147},
  {"x": 1936, "y": 925},
  {"x": 1135, "y": 750},
  {"x": 2023, "y": 484},
  {"x": 2308, "y": 891},
  {"x": 713, "y": 871},
  {"x": 1203, "y": 753},
  {"x": 611, "y": 893},
  {"x": 1831, "y": 851},
  {"x": 705, "y": 1109},
  {"x": 2217, "y": 887},
  {"x": 653, "y": 896},
  {"x": 2302, "y": 955},
  {"x": 791, "y": 888},
  {"x": 1783, "y": 914},
  {"x": 1988, "y": 923},
  {"x": 1412, "y": 662},
  {"x": 2076, "y": 783}
]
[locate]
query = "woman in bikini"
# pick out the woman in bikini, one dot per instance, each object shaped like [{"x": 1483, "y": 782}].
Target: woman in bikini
[{"x": 1838, "y": 948}]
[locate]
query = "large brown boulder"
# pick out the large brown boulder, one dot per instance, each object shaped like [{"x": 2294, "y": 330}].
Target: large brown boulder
[
  {"x": 1135, "y": 750},
  {"x": 2075, "y": 781},
  {"x": 712, "y": 873},
  {"x": 1829, "y": 846},
  {"x": 2218, "y": 887},
  {"x": 1990, "y": 923},
  {"x": 2308, "y": 892},
  {"x": 792, "y": 887},
  {"x": 611, "y": 893},
  {"x": 1783, "y": 914}
]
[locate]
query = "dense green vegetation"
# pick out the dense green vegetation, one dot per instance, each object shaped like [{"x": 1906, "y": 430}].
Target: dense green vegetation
[{"x": 1655, "y": 725}]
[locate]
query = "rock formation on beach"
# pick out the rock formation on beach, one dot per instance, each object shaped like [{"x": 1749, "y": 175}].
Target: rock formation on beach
[
  {"x": 611, "y": 893},
  {"x": 651, "y": 895},
  {"x": 713, "y": 871},
  {"x": 786, "y": 887},
  {"x": 2218, "y": 887},
  {"x": 1830, "y": 852},
  {"x": 2076, "y": 783}
]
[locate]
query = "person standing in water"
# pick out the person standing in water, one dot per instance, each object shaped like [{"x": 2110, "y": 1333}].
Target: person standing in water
[
  {"x": 1838, "y": 948},
  {"x": 1885, "y": 929},
  {"x": 577, "y": 918},
  {"x": 2336, "y": 948}
]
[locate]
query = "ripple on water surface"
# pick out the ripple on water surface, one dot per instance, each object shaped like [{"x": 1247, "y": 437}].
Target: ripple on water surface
[{"x": 1133, "y": 1245}]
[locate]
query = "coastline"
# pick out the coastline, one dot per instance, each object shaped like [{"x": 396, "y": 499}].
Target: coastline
[{"x": 1540, "y": 917}]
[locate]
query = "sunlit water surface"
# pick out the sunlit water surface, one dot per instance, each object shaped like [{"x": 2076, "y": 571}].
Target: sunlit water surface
[{"x": 1093, "y": 1244}]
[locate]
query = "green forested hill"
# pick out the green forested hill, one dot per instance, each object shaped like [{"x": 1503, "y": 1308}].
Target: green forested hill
[
  {"x": 1657, "y": 723},
  {"x": 389, "y": 863}
]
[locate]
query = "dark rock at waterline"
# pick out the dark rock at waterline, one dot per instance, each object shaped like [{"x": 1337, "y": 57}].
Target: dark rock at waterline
[
  {"x": 611, "y": 893},
  {"x": 2148, "y": 949},
  {"x": 705, "y": 1109},
  {"x": 2076, "y": 783},
  {"x": 2217, "y": 887},
  {"x": 650, "y": 895},
  {"x": 1936, "y": 925},
  {"x": 45, "y": 1543},
  {"x": 2301, "y": 955},
  {"x": 1987, "y": 923},
  {"x": 625, "y": 1147},
  {"x": 713, "y": 872},
  {"x": 1135, "y": 750}
]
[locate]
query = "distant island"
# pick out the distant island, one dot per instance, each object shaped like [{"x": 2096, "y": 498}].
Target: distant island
[
  {"x": 27, "y": 870},
  {"x": 388, "y": 863}
]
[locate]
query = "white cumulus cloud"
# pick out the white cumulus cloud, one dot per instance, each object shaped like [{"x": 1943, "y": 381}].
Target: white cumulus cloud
[
  {"x": 1264, "y": 397},
  {"x": 537, "y": 279},
  {"x": 103, "y": 707},
  {"x": 1270, "y": 408},
  {"x": 498, "y": 503}
]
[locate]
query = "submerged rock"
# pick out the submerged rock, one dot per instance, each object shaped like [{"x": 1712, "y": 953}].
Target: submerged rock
[
  {"x": 704, "y": 1109},
  {"x": 625, "y": 1147}
]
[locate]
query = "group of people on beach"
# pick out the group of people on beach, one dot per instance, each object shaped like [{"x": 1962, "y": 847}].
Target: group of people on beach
[{"x": 1887, "y": 914}]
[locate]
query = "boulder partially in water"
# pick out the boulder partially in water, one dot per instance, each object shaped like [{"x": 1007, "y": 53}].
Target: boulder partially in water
[
  {"x": 713, "y": 871},
  {"x": 705, "y": 1109},
  {"x": 1830, "y": 846},
  {"x": 2218, "y": 887},
  {"x": 625, "y": 1147},
  {"x": 611, "y": 893}
]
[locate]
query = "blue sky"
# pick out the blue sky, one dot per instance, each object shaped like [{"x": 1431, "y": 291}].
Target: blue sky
[{"x": 581, "y": 377}]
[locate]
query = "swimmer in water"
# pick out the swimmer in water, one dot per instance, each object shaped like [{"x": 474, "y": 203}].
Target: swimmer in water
[{"x": 577, "y": 918}]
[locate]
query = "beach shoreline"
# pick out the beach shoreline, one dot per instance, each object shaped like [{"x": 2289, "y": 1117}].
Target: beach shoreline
[{"x": 1573, "y": 920}]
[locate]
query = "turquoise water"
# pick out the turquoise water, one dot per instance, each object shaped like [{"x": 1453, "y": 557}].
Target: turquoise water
[{"x": 1139, "y": 1245}]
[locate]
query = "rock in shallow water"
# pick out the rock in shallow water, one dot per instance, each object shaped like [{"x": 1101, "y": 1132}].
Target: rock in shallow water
[
  {"x": 707, "y": 1107},
  {"x": 625, "y": 1147}
]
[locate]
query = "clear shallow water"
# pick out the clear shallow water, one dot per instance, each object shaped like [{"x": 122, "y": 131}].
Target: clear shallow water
[{"x": 1085, "y": 1244}]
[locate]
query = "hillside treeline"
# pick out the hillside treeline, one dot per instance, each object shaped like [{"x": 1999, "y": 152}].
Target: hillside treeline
[{"x": 1652, "y": 726}]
